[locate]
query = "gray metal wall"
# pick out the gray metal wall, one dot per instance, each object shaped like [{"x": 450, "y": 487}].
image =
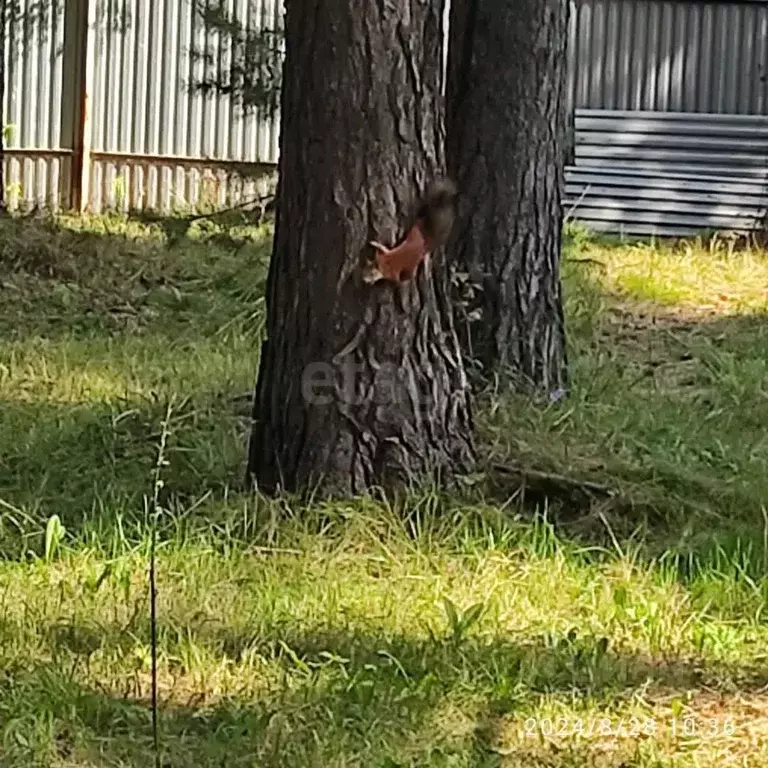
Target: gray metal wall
[
  {"x": 668, "y": 173},
  {"x": 152, "y": 140},
  {"x": 668, "y": 56}
]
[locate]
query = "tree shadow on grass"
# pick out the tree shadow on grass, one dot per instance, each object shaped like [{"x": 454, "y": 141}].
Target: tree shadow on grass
[
  {"x": 92, "y": 464},
  {"x": 111, "y": 276},
  {"x": 667, "y": 415},
  {"x": 343, "y": 697},
  {"x": 101, "y": 328}
]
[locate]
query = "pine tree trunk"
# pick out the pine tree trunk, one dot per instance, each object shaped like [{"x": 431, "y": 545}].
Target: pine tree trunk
[
  {"x": 358, "y": 385},
  {"x": 505, "y": 145}
]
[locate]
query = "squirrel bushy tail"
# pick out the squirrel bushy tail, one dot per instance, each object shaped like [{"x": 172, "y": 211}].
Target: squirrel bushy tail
[{"x": 437, "y": 211}]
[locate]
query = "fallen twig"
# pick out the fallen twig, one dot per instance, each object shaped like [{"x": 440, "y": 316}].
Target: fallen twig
[
  {"x": 586, "y": 261},
  {"x": 550, "y": 483}
]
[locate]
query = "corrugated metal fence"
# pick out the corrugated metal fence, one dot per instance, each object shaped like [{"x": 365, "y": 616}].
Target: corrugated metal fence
[
  {"x": 669, "y": 56},
  {"x": 661, "y": 93},
  {"x": 145, "y": 139},
  {"x": 125, "y": 127},
  {"x": 151, "y": 134},
  {"x": 668, "y": 173},
  {"x": 36, "y": 158}
]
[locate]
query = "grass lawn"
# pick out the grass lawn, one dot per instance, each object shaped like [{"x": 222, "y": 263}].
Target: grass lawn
[{"x": 491, "y": 629}]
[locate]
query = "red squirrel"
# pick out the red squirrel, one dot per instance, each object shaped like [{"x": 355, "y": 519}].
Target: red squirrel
[{"x": 435, "y": 214}]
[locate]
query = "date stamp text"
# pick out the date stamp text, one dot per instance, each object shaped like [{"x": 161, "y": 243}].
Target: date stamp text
[{"x": 683, "y": 727}]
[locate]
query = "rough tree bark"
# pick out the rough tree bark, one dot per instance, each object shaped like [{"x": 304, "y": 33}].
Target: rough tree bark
[
  {"x": 358, "y": 385},
  {"x": 505, "y": 144}
]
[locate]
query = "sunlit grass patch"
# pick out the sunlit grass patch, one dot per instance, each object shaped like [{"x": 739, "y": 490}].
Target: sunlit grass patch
[
  {"x": 690, "y": 277},
  {"x": 375, "y": 650}
]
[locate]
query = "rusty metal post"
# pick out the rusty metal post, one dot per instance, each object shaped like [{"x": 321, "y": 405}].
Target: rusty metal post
[
  {"x": 81, "y": 196},
  {"x": 79, "y": 31}
]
